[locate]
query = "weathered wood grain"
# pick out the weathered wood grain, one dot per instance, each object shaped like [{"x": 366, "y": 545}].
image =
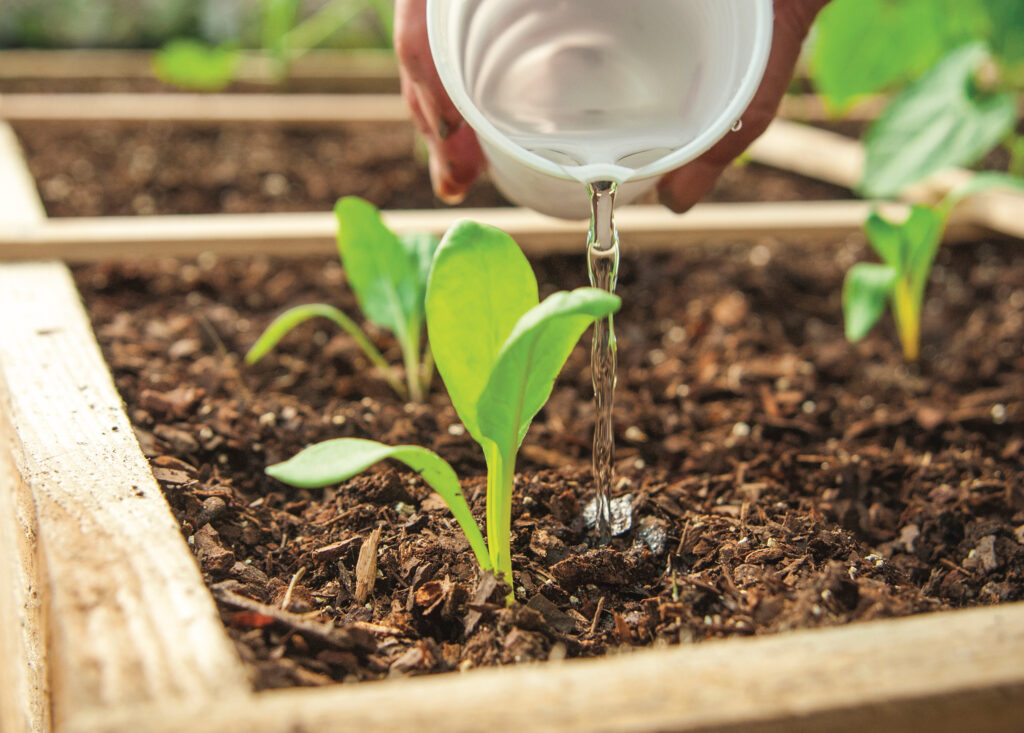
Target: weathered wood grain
[
  {"x": 128, "y": 617},
  {"x": 297, "y": 234},
  {"x": 106, "y": 605},
  {"x": 839, "y": 160},
  {"x": 942, "y": 673},
  {"x": 204, "y": 108},
  {"x": 24, "y": 679},
  {"x": 361, "y": 70}
]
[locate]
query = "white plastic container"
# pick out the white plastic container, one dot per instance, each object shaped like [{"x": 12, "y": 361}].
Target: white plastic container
[{"x": 564, "y": 92}]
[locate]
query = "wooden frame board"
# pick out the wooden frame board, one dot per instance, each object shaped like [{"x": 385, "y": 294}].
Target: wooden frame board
[
  {"x": 109, "y": 628},
  {"x": 359, "y": 70}
]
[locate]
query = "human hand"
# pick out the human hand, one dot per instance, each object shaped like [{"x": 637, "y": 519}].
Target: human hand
[
  {"x": 455, "y": 155},
  {"x": 680, "y": 189}
]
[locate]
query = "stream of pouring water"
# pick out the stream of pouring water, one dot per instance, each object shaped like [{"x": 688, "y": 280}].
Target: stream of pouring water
[{"x": 603, "y": 267}]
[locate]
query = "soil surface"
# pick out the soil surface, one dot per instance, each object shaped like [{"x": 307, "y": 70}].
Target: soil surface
[
  {"x": 164, "y": 168},
  {"x": 771, "y": 475}
]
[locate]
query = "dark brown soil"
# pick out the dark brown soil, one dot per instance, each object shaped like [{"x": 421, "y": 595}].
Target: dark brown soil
[
  {"x": 777, "y": 477},
  {"x": 163, "y": 168}
]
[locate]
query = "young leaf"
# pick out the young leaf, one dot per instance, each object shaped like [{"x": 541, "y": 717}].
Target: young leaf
[
  {"x": 922, "y": 232},
  {"x": 866, "y": 291},
  {"x": 479, "y": 287},
  {"x": 301, "y": 313},
  {"x": 191, "y": 64},
  {"x": 939, "y": 121},
  {"x": 335, "y": 460},
  {"x": 420, "y": 247},
  {"x": 886, "y": 239},
  {"x": 525, "y": 370},
  {"x": 380, "y": 270}
]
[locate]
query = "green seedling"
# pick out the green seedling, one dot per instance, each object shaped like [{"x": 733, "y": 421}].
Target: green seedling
[
  {"x": 388, "y": 273},
  {"x": 907, "y": 251},
  {"x": 499, "y": 351},
  {"x": 285, "y": 36}
]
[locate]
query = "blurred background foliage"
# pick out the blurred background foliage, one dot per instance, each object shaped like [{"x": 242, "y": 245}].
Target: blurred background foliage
[{"x": 151, "y": 23}]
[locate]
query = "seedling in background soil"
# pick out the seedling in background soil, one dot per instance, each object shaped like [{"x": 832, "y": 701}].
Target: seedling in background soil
[
  {"x": 907, "y": 251},
  {"x": 388, "y": 273},
  {"x": 499, "y": 351},
  {"x": 189, "y": 63}
]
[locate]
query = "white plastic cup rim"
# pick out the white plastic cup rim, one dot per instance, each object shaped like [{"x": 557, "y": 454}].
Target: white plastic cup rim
[{"x": 726, "y": 120}]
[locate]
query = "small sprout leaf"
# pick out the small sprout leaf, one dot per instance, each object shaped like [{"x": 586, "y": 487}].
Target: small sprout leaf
[
  {"x": 885, "y": 238},
  {"x": 865, "y": 293},
  {"x": 525, "y": 370},
  {"x": 380, "y": 269},
  {"x": 191, "y": 64},
  {"x": 480, "y": 285},
  {"x": 336, "y": 460}
]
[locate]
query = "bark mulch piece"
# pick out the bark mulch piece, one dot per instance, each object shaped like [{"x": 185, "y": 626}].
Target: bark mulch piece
[{"x": 773, "y": 475}]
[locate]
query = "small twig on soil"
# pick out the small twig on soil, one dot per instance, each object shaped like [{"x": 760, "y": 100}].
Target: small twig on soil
[
  {"x": 286, "y": 601},
  {"x": 347, "y": 639},
  {"x": 597, "y": 616}
]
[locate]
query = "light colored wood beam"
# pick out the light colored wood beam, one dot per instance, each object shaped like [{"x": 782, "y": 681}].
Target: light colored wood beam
[
  {"x": 204, "y": 108},
  {"x": 293, "y": 235},
  {"x": 362, "y": 69},
  {"x": 103, "y": 604},
  {"x": 128, "y": 617},
  {"x": 839, "y": 160},
  {"x": 942, "y": 673},
  {"x": 24, "y": 674}
]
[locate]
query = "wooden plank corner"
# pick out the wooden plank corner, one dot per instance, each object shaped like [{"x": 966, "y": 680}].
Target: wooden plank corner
[
  {"x": 106, "y": 605},
  {"x": 943, "y": 673}
]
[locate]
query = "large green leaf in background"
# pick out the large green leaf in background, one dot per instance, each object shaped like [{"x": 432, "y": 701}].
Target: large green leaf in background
[
  {"x": 866, "y": 46},
  {"x": 941, "y": 120},
  {"x": 1006, "y": 30}
]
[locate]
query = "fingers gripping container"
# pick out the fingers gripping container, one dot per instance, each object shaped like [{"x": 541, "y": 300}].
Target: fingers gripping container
[{"x": 564, "y": 92}]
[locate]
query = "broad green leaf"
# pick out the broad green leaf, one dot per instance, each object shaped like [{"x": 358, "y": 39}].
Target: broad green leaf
[
  {"x": 1006, "y": 30},
  {"x": 380, "y": 270},
  {"x": 886, "y": 239},
  {"x": 867, "y": 46},
  {"x": 535, "y": 352},
  {"x": 336, "y": 460},
  {"x": 866, "y": 291},
  {"x": 479, "y": 287},
  {"x": 191, "y": 64},
  {"x": 939, "y": 121},
  {"x": 980, "y": 182}
]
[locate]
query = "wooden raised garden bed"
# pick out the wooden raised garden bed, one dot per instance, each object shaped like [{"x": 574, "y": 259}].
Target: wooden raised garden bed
[{"x": 107, "y": 625}]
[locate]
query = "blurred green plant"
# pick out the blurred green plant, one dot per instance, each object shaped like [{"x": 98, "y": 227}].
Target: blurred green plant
[
  {"x": 956, "y": 67},
  {"x": 285, "y": 35},
  {"x": 907, "y": 250}
]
